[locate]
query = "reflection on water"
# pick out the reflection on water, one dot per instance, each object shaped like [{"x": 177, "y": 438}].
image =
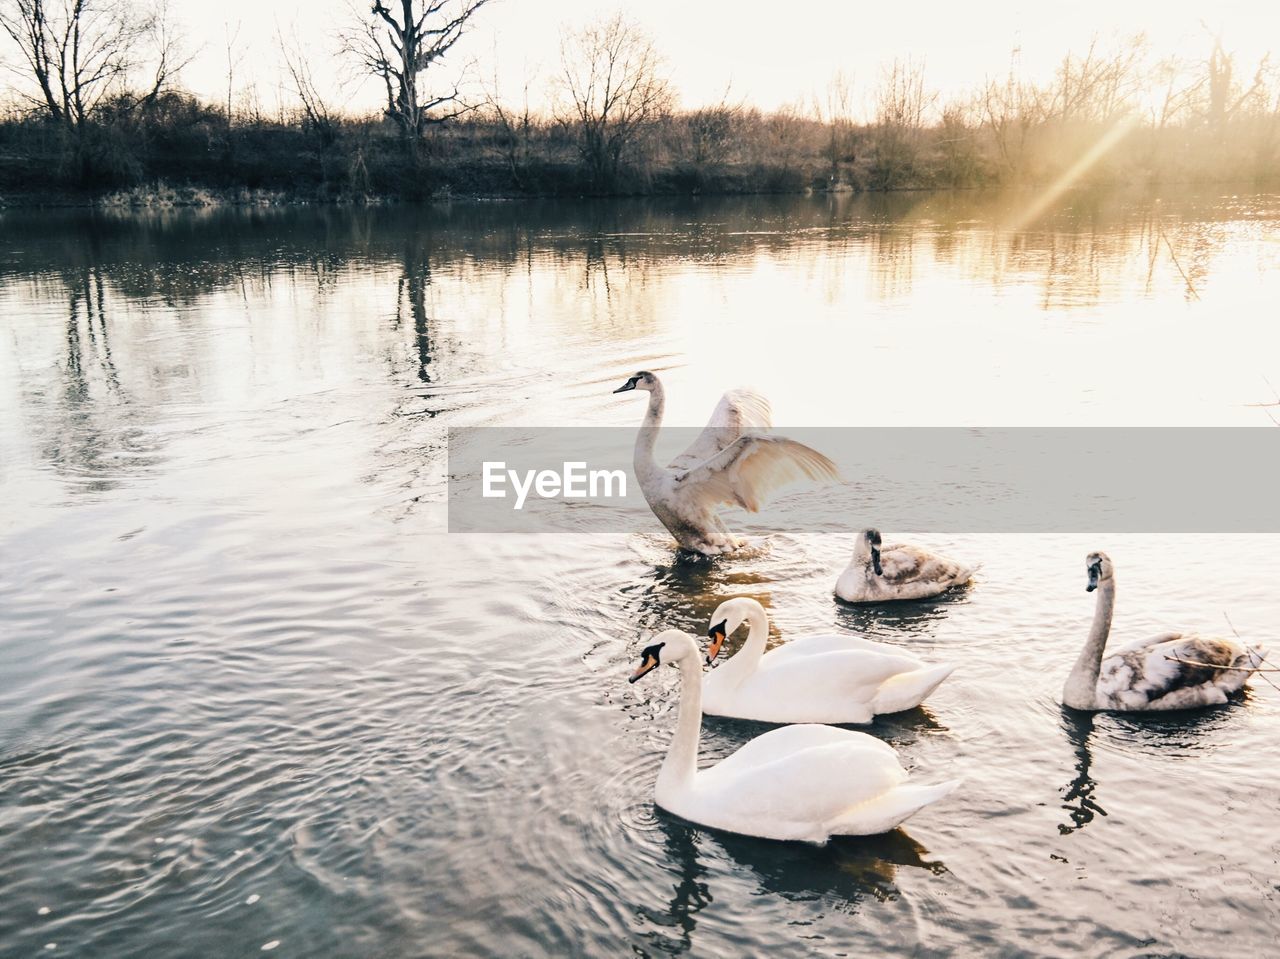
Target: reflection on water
[
  {"x": 1077, "y": 797},
  {"x": 674, "y": 925},
  {"x": 841, "y": 874},
  {"x": 252, "y": 692}
]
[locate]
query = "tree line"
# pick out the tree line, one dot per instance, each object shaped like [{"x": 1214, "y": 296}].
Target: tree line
[{"x": 96, "y": 104}]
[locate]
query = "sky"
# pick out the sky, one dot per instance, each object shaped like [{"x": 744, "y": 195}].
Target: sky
[{"x": 766, "y": 55}]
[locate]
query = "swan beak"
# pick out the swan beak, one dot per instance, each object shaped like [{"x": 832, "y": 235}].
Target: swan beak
[
  {"x": 1094, "y": 573},
  {"x": 649, "y": 664},
  {"x": 875, "y": 561},
  {"x": 629, "y": 385},
  {"x": 717, "y": 635}
]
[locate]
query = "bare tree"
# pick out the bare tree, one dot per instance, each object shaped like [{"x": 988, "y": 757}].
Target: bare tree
[
  {"x": 1179, "y": 91},
  {"x": 170, "y": 50},
  {"x": 319, "y": 116},
  {"x": 1098, "y": 86},
  {"x": 1010, "y": 110},
  {"x": 610, "y": 74},
  {"x": 1226, "y": 94},
  {"x": 838, "y": 116},
  {"x": 399, "y": 46},
  {"x": 707, "y": 133},
  {"x": 234, "y": 57},
  {"x": 78, "y": 52},
  {"x": 517, "y": 127},
  {"x": 901, "y": 104}
]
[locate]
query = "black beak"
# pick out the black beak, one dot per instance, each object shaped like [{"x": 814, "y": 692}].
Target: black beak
[
  {"x": 1093, "y": 579},
  {"x": 629, "y": 385},
  {"x": 875, "y": 561}
]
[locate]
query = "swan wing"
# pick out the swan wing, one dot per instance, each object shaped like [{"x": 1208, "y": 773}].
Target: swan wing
[
  {"x": 1144, "y": 643},
  {"x": 787, "y": 740},
  {"x": 748, "y": 469},
  {"x": 833, "y": 676},
  {"x": 807, "y": 646},
  {"x": 810, "y": 786},
  {"x": 1175, "y": 674},
  {"x": 841, "y": 686},
  {"x": 911, "y": 564},
  {"x": 738, "y": 412}
]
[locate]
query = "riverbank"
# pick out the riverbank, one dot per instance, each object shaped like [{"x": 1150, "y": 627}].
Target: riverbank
[{"x": 180, "y": 152}]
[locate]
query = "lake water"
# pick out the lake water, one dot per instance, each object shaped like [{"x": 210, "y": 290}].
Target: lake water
[{"x": 253, "y": 696}]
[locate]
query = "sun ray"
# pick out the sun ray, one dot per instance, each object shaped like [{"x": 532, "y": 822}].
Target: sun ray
[{"x": 1069, "y": 177}]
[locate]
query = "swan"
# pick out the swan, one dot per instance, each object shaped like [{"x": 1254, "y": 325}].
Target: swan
[
  {"x": 805, "y": 782},
  {"x": 731, "y": 462},
  {"x": 877, "y": 574},
  {"x": 814, "y": 679},
  {"x": 1145, "y": 675}
]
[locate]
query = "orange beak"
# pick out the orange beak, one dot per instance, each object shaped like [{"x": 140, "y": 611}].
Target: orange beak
[
  {"x": 717, "y": 640},
  {"x": 648, "y": 665}
]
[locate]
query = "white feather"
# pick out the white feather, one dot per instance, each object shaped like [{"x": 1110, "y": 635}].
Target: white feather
[
  {"x": 813, "y": 679},
  {"x": 800, "y": 782},
  {"x": 734, "y": 461}
]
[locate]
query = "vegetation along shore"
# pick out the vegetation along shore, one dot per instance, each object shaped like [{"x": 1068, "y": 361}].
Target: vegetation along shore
[{"x": 104, "y": 119}]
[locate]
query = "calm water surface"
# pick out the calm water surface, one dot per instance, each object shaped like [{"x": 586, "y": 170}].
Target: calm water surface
[{"x": 252, "y": 695}]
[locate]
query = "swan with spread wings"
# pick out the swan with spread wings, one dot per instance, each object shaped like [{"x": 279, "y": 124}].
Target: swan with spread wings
[{"x": 735, "y": 461}]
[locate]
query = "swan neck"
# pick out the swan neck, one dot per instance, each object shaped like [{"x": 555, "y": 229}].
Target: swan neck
[
  {"x": 1082, "y": 685},
  {"x": 647, "y": 438},
  {"x": 747, "y": 659},
  {"x": 681, "y": 764}
]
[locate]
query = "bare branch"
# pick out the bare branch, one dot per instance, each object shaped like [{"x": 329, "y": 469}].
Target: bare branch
[
  {"x": 611, "y": 75},
  {"x": 400, "y": 47}
]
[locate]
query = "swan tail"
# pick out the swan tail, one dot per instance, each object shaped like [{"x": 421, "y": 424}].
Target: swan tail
[
  {"x": 1253, "y": 657},
  {"x": 890, "y": 810},
  {"x": 909, "y": 690}
]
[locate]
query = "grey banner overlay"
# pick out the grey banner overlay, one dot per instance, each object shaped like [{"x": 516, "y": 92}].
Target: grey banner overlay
[{"x": 945, "y": 480}]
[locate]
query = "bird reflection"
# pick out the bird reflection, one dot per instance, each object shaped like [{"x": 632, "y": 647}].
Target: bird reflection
[
  {"x": 845, "y": 872},
  {"x": 1185, "y": 732},
  {"x": 690, "y": 895},
  {"x": 915, "y": 616},
  {"x": 683, "y": 591},
  {"x": 1077, "y": 796}
]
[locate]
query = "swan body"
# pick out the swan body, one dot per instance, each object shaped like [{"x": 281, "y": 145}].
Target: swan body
[
  {"x": 804, "y": 782},
  {"x": 1156, "y": 673},
  {"x": 814, "y": 679},
  {"x": 878, "y": 574},
  {"x": 734, "y": 461}
]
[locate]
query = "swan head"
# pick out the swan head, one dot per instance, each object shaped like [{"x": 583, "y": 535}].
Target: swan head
[
  {"x": 728, "y": 616},
  {"x": 868, "y": 547},
  {"x": 1100, "y": 570},
  {"x": 669, "y": 646},
  {"x": 644, "y": 380}
]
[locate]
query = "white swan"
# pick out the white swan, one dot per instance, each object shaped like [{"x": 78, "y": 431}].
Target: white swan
[
  {"x": 797, "y": 782},
  {"x": 732, "y": 462},
  {"x": 878, "y": 573},
  {"x": 1156, "y": 673},
  {"x": 814, "y": 679}
]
